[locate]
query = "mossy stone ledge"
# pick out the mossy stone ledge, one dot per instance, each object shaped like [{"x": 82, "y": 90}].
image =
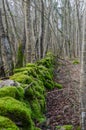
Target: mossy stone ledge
[
  {"x": 16, "y": 111},
  {"x": 25, "y": 104},
  {"x": 7, "y": 124},
  {"x": 12, "y": 91}
]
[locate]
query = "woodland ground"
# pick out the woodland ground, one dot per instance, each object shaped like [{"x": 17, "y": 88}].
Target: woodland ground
[{"x": 63, "y": 104}]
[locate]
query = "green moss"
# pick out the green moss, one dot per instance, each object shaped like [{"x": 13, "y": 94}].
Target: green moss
[
  {"x": 42, "y": 105},
  {"x": 40, "y": 72},
  {"x": 20, "y": 57},
  {"x": 39, "y": 86},
  {"x": 30, "y": 71},
  {"x": 29, "y": 94},
  {"x": 68, "y": 127},
  {"x": 36, "y": 111},
  {"x": 78, "y": 128},
  {"x": 15, "y": 92},
  {"x": 49, "y": 84},
  {"x": 22, "y": 78},
  {"x": 65, "y": 127},
  {"x": 43, "y": 71},
  {"x": 48, "y": 61},
  {"x": 30, "y": 65},
  {"x": 35, "y": 90},
  {"x": 59, "y": 86},
  {"x": 58, "y": 127},
  {"x": 76, "y": 62},
  {"x": 45, "y": 76},
  {"x": 7, "y": 124},
  {"x": 45, "y": 62},
  {"x": 21, "y": 69},
  {"x": 40, "y": 75},
  {"x": 11, "y": 128},
  {"x": 16, "y": 111},
  {"x": 43, "y": 68},
  {"x": 50, "y": 54},
  {"x": 39, "y": 95}
]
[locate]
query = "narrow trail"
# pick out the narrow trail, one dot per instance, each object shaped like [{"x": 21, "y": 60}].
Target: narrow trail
[{"x": 63, "y": 105}]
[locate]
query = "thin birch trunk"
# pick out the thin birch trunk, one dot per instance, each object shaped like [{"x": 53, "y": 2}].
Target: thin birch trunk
[
  {"x": 27, "y": 30},
  {"x": 83, "y": 76}
]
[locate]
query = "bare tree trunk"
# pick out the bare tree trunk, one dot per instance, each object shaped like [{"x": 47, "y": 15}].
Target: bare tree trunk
[
  {"x": 27, "y": 30},
  {"x": 5, "y": 50},
  {"x": 42, "y": 30},
  {"x": 83, "y": 76},
  {"x": 47, "y": 30}
]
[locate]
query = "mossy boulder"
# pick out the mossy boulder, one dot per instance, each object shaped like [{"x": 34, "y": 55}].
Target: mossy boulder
[
  {"x": 22, "y": 78},
  {"x": 7, "y": 124},
  {"x": 45, "y": 76},
  {"x": 15, "y": 92},
  {"x": 16, "y": 111},
  {"x": 30, "y": 71},
  {"x": 47, "y": 61},
  {"x": 35, "y": 89},
  {"x": 31, "y": 93},
  {"x": 44, "y": 72},
  {"x": 37, "y": 114}
]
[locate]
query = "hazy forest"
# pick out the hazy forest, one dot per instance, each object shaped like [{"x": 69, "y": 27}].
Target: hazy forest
[{"x": 42, "y": 64}]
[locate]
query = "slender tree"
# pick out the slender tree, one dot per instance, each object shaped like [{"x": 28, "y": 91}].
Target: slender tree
[{"x": 83, "y": 75}]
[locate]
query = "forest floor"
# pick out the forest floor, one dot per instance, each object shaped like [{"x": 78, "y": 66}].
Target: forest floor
[{"x": 63, "y": 104}]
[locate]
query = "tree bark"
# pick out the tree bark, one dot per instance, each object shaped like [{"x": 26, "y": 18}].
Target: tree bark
[
  {"x": 83, "y": 76},
  {"x": 5, "y": 50},
  {"x": 42, "y": 30},
  {"x": 27, "y": 30}
]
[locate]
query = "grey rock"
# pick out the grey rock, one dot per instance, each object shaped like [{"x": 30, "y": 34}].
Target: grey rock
[{"x": 9, "y": 82}]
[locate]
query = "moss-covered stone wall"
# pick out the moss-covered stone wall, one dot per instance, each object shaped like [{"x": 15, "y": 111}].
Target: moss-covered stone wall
[{"x": 21, "y": 107}]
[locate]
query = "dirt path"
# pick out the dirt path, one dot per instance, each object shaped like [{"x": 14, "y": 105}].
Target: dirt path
[{"x": 63, "y": 105}]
